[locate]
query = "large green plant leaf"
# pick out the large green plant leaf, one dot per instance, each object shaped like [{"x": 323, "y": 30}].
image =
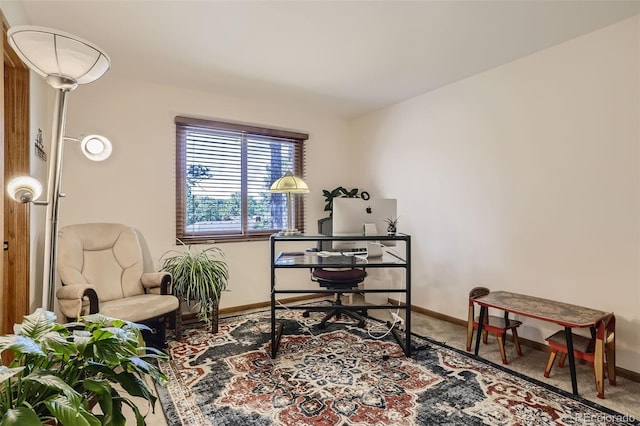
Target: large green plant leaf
[
  {"x": 55, "y": 341},
  {"x": 143, "y": 367},
  {"x": 36, "y": 324},
  {"x": 118, "y": 418},
  {"x": 136, "y": 387},
  {"x": 103, "y": 392},
  {"x": 6, "y": 372},
  {"x": 70, "y": 414},
  {"x": 20, "y": 345},
  {"x": 21, "y": 416},
  {"x": 108, "y": 348},
  {"x": 139, "y": 417},
  {"x": 48, "y": 380}
]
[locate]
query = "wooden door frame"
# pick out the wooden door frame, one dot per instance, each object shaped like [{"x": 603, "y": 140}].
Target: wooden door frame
[{"x": 16, "y": 261}]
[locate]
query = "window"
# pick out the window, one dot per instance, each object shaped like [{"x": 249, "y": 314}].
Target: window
[{"x": 223, "y": 175}]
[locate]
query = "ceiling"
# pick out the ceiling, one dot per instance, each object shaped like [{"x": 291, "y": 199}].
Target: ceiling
[{"x": 342, "y": 57}]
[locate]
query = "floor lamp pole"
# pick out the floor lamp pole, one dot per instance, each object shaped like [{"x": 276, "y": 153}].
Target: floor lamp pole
[{"x": 53, "y": 195}]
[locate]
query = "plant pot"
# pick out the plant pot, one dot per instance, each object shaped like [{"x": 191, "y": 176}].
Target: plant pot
[{"x": 190, "y": 316}]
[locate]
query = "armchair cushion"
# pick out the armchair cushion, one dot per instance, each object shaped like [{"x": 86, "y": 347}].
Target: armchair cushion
[{"x": 139, "y": 308}]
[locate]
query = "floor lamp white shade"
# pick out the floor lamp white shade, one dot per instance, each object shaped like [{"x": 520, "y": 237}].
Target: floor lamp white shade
[
  {"x": 50, "y": 52},
  {"x": 65, "y": 61}
]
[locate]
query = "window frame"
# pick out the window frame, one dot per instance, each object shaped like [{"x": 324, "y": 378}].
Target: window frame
[{"x": 183, "y": 124}]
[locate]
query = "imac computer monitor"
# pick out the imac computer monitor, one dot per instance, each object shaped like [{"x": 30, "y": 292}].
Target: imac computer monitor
[{"x": 351, "y": 216}]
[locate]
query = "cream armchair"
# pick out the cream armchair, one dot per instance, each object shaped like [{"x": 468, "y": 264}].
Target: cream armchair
[{"x": 102, "y": 269}]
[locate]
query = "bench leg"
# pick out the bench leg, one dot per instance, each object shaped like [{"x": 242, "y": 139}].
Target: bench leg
[
  {"x": 469, "y": 332},
  {"x": 501, "y": 346},
  {"x": 552, "y": 358},
  {"x": 516, "y": 341},
  {"x": 598, "y": 367},
  {"x": 562, "y": 359},
  {"x": 610, "y": 349}
]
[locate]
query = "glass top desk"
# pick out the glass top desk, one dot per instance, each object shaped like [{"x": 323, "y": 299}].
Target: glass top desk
[{"x": 308, "y": 260}]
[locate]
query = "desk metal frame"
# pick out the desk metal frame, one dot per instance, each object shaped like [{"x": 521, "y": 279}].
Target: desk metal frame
[
  {"x": 284, "y": 260},
  {"x": 564, "y": 314}
]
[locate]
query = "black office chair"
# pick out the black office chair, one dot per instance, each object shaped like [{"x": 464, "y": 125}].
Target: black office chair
[{"x": 337, "y": 280}]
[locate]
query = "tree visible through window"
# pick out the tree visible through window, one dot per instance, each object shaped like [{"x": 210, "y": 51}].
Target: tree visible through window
[{"x": 223, "y": 175}]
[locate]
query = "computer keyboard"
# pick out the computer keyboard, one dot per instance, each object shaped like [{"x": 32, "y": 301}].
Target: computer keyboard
[
  {"x": 342, "y": 253},
  {"x": 354, "y": 253},
  {"x": 329, "y": 253}
]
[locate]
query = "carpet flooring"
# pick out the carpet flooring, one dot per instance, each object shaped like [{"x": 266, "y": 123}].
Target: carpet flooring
[{"x": 341, "y": 375}]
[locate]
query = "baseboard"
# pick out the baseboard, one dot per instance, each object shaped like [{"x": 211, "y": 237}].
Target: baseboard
[{"x": 621, "y": 372}]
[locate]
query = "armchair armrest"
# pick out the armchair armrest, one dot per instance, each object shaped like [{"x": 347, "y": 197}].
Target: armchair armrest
[
  {"x": 71, "y": 299},
  {"x": 151, "y": 281}
]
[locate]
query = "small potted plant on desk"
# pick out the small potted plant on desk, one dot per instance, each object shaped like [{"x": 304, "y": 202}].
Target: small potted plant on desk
[
  {"x": 60, "y": 372},
  {"x": 392, "y": 225},
  {"x": 199, "y": 277}
]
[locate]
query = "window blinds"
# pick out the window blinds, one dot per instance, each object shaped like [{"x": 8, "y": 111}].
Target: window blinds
[{"x": 223, "y": 175}]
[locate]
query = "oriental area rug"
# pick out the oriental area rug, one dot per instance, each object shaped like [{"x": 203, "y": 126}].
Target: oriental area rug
[{"x": 342, "y": 376}]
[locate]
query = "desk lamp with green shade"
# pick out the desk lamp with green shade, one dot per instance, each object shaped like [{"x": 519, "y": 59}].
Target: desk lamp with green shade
[{"x": 289, "y": 184}]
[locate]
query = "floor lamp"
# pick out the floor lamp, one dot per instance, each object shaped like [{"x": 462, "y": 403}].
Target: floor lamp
[{"x": 65, "y": 61}]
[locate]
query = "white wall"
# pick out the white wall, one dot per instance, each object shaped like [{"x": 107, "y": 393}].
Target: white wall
[
  {"x": 523, "y": 178},
  {"x": 136, "y": 185}
]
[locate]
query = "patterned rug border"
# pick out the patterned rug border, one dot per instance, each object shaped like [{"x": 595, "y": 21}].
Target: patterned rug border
[{"x": 165, "y": 399}]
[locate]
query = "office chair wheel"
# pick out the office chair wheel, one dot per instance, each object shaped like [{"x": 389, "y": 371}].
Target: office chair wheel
[
  {"x": 305, "y": 314},
  {"x": 361, "y": 324},
  {"x": 322, "y": 325}
]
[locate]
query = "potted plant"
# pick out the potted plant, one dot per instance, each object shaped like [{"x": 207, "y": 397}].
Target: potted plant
[
  {"x": 199, "y": 277},
  {"x": 392, "y": 225},
  {"x": 343, "y": 193},
  {"x": 59, "y": 372}
]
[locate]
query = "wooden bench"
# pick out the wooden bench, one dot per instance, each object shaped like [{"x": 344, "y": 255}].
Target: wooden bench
[{"x": 566, "y": 315}]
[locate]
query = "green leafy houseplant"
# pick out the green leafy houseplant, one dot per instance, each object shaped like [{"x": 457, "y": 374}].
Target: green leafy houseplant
[
  {"x": 337, "y": 192},
  {"x": 199, "y": 276},
  {"x": 59, "y": 372}
]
